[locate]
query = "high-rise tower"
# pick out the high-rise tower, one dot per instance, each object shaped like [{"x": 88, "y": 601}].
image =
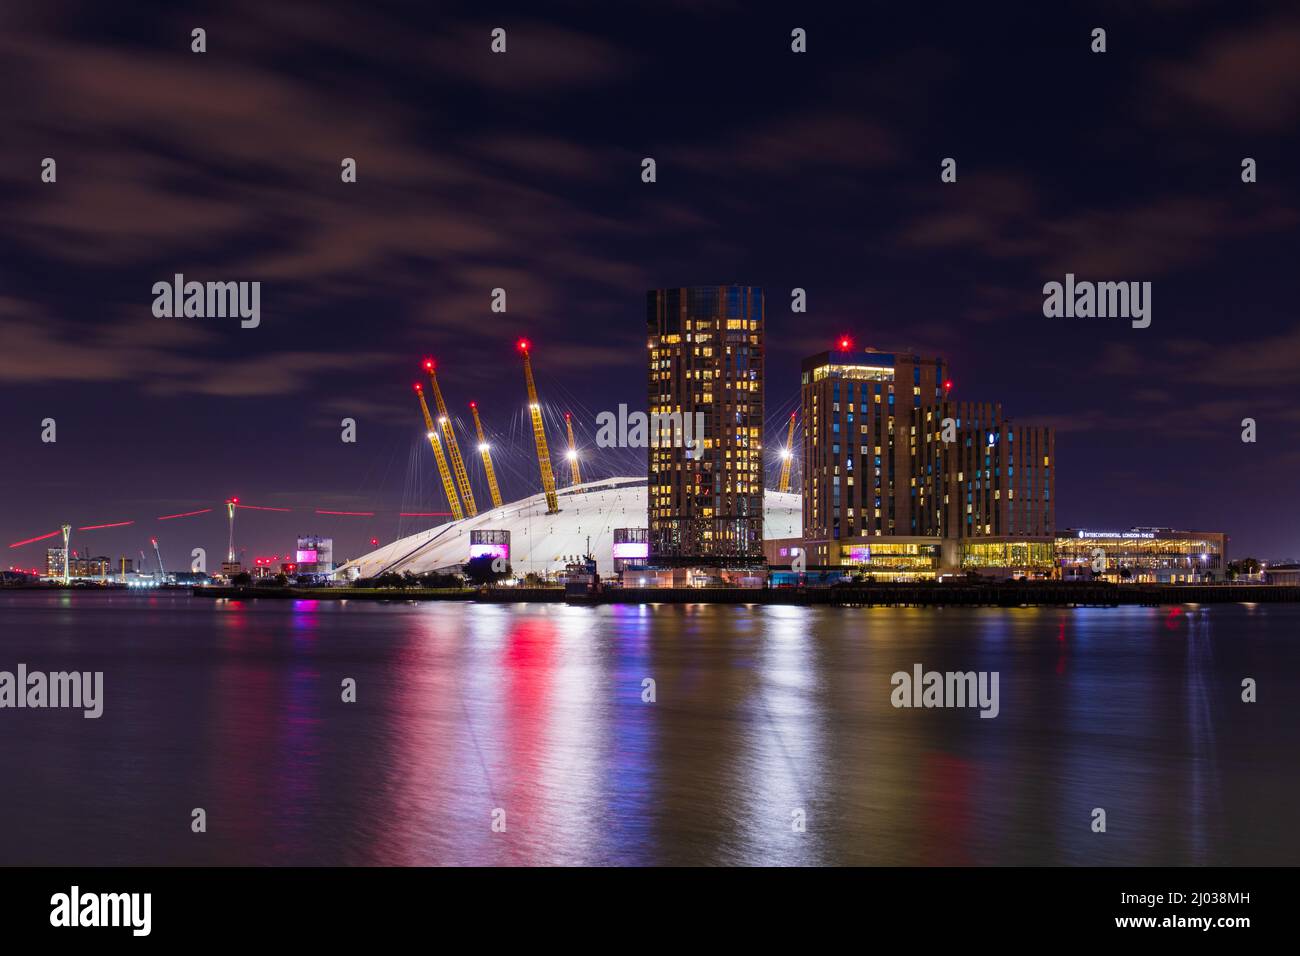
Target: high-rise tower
[{"x": 705, "y": 398}]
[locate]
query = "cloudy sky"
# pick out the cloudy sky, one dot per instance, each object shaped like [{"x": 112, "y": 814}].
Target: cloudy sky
[{"x": 522, "y": 171}]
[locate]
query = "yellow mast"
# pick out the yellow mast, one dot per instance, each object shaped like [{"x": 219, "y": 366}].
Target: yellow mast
[
  {"x": 487, "y": 458},
  {"x": 539, "y": 434},
  {"x": 447, "y": 485},
  {"x": 787, "y": 455},
  {"x": 573, "y": 451},
  {"x": 453, "y": 449}
]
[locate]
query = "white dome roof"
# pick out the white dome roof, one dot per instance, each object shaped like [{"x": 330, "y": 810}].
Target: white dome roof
[{"x": 540, "y": 542}]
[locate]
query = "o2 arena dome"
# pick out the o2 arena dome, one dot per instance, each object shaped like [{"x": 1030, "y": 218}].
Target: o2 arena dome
[{"x": 539, "y": 542}]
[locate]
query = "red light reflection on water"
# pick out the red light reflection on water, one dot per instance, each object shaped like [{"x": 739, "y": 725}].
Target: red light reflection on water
[
  {"x": 529, "y": 662},
  {"x": 947, "y": 780}
]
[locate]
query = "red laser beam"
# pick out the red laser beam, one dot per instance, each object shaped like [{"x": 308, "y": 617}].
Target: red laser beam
[
  {"x": 96, "y": 527},
  {"x": 19, "y": 544},
  {"x": 262, "y": 508},
  {"x": 184, "y": 514}
]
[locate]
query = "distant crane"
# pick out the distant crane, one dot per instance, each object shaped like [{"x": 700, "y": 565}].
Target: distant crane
[
  {"x": 573, "y": 451},
  {"x": 539, "y": 434},
  {"x": 432, "y": 435},
  {"x": 486, "y": 452},
  {"x": 787, "y": 456},
  {"x": 453, "y": 449},
  {"x": 142, "y": 561},
  {"x": 158, "y": 554}
]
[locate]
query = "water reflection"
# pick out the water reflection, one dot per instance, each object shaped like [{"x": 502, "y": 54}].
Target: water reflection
[{"x": 770, "y": 739}]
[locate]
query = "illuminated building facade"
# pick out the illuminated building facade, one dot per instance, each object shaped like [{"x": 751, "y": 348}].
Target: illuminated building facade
[
  {"x": 315, "y": 555},
  {"x": 705, "y": 504},
  {"x": 1152, "y": 555},
  {"x": 993, "y": 480},
  {"x": 858, "y": 452},
  {"x": 631, "y": 548},
  {"x": 900, "y": 481},
  {"x": 490, "y": 542}
]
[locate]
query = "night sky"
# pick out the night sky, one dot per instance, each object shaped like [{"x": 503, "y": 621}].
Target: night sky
[{"x": 523, "y": 171}]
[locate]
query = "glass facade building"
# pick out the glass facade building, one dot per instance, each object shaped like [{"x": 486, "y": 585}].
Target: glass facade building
[
  {"x": 705, "y": 460},
  {"x": 1151, "y": 555}
]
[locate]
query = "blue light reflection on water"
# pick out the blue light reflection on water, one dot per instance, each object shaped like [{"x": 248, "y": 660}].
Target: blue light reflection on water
[{"x": 772, "y": 738}]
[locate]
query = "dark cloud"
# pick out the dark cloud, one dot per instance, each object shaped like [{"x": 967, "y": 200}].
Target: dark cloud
[{"x": 1248, "y": 78}]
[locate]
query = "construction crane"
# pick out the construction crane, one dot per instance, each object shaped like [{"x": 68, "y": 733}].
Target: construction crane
[
  {"x": 158, "y": 554},
  {"x": 432, "y": 435},
  {"x": 787, "y": 456},
  {"x": 539, "y": 434},
  {"x": 143, "y": 560},
  {"x": 573, "y": 451},
  {"x": 453, "y": 449},
  {"x": 486, "y": 452}
]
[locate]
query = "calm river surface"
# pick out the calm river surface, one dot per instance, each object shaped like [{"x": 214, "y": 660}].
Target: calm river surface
[{"x": 760, "y": 714}]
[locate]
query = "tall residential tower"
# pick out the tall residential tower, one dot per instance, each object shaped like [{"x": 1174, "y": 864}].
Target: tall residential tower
[{"x": 705, "y": 390}]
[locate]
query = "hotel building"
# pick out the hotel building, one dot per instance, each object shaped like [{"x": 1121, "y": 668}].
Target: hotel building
[
  {"x": 705, "y": 505},
  {"x": 884, "y": 492},
  {"x": 1143, "y": 555}
]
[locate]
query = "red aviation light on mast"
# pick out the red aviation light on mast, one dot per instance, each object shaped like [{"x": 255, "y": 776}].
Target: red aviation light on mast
[
  {"x": 523, "y": 345},
  {"x": 428, "y": 365},
  {"x": 845, "y": 343},
  {"x": 419, "y": 387}
]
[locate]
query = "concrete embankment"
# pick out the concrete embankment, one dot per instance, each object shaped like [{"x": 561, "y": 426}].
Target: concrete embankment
[{"x": 1016, "y": 594}]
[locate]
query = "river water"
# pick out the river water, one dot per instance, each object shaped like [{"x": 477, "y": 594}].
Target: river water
[{"x": 521, "y": 734}]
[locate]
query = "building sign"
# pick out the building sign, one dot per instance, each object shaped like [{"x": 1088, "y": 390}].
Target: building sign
[{"x": 1143, "y": 535}]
